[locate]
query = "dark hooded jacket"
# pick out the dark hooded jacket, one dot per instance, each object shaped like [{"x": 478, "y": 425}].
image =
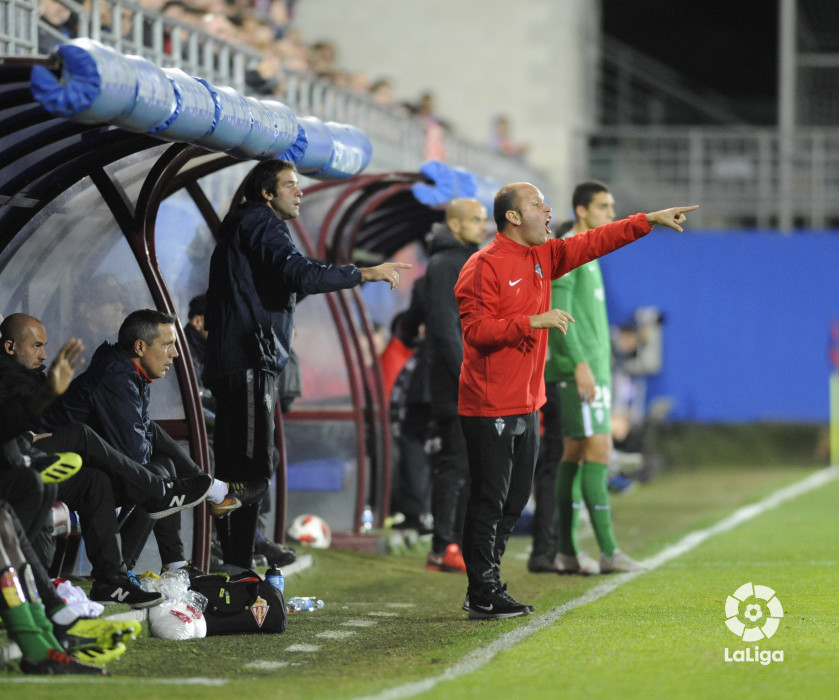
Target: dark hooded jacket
[
  {"x": 444, "y": 343},
  {"x": 256, "y": 273},
  {"x": 112, "y": 397}
]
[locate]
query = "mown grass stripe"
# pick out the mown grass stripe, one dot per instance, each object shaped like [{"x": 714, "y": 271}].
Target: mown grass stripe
[{"x": 480, "y": 657}]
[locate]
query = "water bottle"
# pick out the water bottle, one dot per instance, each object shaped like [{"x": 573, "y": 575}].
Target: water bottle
[
  {"x": 275, "y": 577},
  {"x": 304, "y": 603},
  {"x": 367, "y": 519}
]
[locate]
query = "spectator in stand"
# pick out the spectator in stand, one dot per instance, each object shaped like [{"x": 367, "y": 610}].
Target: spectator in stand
[
  {"x": 504, "y": 299},
  {"x": 61, "y": 21},
  {"x": 450, "y": 245},
  {"x": 501, "y": 140},
  {"x": 582, "y": 362}
]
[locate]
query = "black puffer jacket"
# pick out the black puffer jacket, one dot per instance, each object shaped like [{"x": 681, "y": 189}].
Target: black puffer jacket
[{"x": 444, "y": 342}]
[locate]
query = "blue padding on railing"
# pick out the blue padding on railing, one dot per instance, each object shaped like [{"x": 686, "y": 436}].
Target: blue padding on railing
[
  {"x": 450, "y": 183},
  {"x": 351, "y": 152},
  {"x": 98, "y": 84},
  {"x": 194, "y": 110},
  {"x": 232, "y": 120},
  {"x": 154, "y": 99},
  {"x": 319, "y": 150},
  {"x": 286, "y": 128}
]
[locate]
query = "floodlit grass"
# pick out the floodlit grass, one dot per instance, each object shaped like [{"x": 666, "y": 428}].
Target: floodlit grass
[{"x": 388, "y": 622}]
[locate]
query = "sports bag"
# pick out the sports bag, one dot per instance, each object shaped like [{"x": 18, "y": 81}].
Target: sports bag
[{"x": 241, "y": 604}]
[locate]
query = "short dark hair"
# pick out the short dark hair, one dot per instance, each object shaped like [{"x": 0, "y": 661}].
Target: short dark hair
[
  {"x": 263, "y": 176},
  {"x": 197, "y": 306},
  {"x": 506, "y": 199},
  {"x": 584, "y": 193},
  {"x": 144, "y": 325}
]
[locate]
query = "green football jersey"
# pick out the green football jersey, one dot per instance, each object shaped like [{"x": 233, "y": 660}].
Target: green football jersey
[{"x": 582, "y": 294}]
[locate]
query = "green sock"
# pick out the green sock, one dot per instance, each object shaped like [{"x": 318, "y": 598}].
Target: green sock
[
  {"x": 39, "y": 617},
  {"x": 596, "y": 495},
  {"x": 36, "y": 605},
  {"x": 17, "y": 616},
  {"x": 569, "y": 500}
]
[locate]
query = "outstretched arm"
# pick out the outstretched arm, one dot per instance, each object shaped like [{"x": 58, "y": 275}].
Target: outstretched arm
[
  {"x": 670, "y": 217},
  {"x": 386, "y": 272}
]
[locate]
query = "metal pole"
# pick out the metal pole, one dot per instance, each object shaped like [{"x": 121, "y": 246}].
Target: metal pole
[{"x": 786, "y": 109}]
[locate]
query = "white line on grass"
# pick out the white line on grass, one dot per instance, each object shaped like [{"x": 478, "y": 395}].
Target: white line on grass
[{"x": 480, "y": 657}]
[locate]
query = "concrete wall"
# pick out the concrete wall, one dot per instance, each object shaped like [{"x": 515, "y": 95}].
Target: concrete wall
[{"x": 531, "y": 60}]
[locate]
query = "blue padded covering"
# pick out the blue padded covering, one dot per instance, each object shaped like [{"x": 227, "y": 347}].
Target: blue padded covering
[
  {"x": 232, "y": 122},
  {"x": 262, "y": 134},
  {"x": 296, "y": 150},
  {"x": 351, "y": 152},
  {"x": 154, "y": 101},
  {"x": 451, "y": 183},
  {"x": 96, "y": 83},
  {"x": 285, "y": 126},
  {"x": 316, "y": 475},
  {"x": 195, "y": 110},
  {"x": 319, "y": 150}
]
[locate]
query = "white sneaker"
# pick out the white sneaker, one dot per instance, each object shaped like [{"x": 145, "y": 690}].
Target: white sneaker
[
  {"x": 582, "y": 563},
  {"x": 619, "y": 563}
]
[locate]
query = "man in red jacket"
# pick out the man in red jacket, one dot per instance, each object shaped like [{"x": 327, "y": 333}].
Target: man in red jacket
[{"x": 504, "y": 295}]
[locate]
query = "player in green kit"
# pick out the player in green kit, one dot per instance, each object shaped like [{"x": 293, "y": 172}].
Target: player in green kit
[{"x": 580, "y": 363}]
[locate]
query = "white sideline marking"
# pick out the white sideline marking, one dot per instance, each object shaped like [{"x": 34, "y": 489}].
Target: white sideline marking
[
  {"x": 359, "y": 623},
  {"x": 266, "y": 665},
  {"x": 480, "y": 657},
  {"x": 382, "y": 613},
  {"x": 304, "y": 647},
  {"x": 336, "y": 634}
]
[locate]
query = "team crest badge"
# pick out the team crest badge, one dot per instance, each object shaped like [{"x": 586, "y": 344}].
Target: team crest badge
[
  {"x": 499, "y": 425},
  {"x": 538, "y": 269},
  {"x": 259, "y": 610}
]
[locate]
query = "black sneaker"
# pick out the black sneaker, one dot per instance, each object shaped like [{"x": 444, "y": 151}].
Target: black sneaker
[
  {"x": 239, "y": 493},
  {"x": 495, "y": 605},
  {"x": 276, "y": 554},
  {"x": 248, "y": 492},
  {"x": 121, "y": 590},
  {"x": 180, "y": 495},
  {"x": 59, "y": 663}
]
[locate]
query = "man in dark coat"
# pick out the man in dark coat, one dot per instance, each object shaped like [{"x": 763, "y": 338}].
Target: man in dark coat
[
  {"x": 450, "y": 246},
  {"x": 256, "y": 273}
]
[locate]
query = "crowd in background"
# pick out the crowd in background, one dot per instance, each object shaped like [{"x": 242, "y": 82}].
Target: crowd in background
[{"x": 267, "y": 26}]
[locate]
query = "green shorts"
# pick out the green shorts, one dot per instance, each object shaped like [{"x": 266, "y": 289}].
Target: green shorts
[{"x": 581, "y": 419}]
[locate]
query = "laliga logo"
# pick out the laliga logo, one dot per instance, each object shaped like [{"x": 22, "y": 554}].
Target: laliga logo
[{"x": 763, "y": 612}]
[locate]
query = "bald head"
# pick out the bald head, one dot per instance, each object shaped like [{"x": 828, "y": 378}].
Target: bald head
[
  {"x": 521, "y": 213},
  {"x": 24, "y": 338},
  {"x": 467, "y": 219}
]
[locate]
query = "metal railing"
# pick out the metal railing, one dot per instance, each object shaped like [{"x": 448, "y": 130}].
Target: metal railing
[
  {"x": 398, "y": 139},
  {"x": 743, "y": 178}
]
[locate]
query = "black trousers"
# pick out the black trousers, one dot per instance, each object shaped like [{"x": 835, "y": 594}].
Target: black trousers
[
  {"x": 243, "y": 445},
  {"x": 89, "y": 493},
  {"x": 450, "y": 484},
  {"x": 502, "y": 457},
  {"x": 168, "y": 460},
  {"x": 32, "y": 501},
  {"x": 131, "y": 482},
  {"x": 544, "y": 480},
  {"x": 18, "y": 552}
]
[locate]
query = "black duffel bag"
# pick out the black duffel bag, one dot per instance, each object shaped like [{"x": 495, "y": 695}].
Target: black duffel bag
[{"x": 241, "y": 604}]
